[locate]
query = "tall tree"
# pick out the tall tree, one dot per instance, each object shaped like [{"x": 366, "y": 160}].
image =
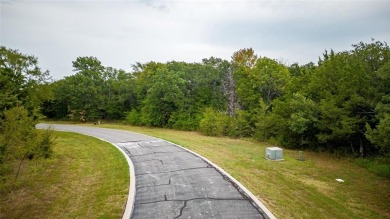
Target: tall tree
[
  {"x": 164, "y": 97},
  {"x": 23, "y": 88},
  {"x": 94, "y": 92},
  {"x": 22, "y": 82},
  {"x": 257, "y": 84},
  {"x": 339, "y": 105}
]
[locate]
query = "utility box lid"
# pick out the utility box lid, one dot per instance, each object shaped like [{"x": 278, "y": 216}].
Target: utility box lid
[{"x": 274, "y": 153}]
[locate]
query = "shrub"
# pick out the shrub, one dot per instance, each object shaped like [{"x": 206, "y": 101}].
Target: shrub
[
  {"x": 44, "y": 146},
  {"x": 184, "y": 121},
  {"x": 133, "y": 117},
  {"x": 19, "y": 140},
  {"x": 239, "y": 125},
  {"x": 214, "y": 123}
]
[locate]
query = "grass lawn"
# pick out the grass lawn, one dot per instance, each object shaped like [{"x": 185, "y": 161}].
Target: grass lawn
[
  {"x": 290, "y": 188},
  {"x": 85, "y": 178}
]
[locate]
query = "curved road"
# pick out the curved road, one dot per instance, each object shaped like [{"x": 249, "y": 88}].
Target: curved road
[{"x": 172, "y": 182}]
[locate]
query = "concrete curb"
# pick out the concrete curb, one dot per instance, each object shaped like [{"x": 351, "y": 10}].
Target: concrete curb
[
  {"x": 250, "y": 194},
  {"x": 131, "y": 195},
  {"x": 132, "y": 189}
]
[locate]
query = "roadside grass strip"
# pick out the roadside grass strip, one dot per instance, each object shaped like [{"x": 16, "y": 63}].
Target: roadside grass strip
[
  {"x": 85, "y": 178},
  {"x": 289, "y": 188}
]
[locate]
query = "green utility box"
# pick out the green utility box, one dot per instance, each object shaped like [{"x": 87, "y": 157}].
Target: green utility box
[{"x": 274, "y": 153}]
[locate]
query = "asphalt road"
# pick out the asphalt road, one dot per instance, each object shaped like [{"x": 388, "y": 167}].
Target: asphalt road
[{"x": 172, "y": 182}]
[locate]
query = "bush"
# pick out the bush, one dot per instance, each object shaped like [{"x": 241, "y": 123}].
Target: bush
[
  {"x": 214, "y": 123},
  {"x": 380, "y": 135},
  {"x": 19, "y": 140},
  {"x": 239, "y": 125},
  {"x": 44, "y": 146},
  {"x": 133, "y": 117},
  {"x": 220, "y": 124},
  {"x": 184, "y": 121}
]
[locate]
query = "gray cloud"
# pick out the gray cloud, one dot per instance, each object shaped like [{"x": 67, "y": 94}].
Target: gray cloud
[{"x": 119, "y": 33}]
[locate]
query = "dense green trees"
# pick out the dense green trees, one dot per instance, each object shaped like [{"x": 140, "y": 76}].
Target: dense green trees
[
  {"x": 334, "y": 105},
  {"x": 95, "y": 92},
  {"x": 22, "y": 82},
  {"x": 340, "y": 104},
  {"x": 23, "y": 88},
  {"x": 175, "y": 94},
  {"x": 259, "y": 81}
]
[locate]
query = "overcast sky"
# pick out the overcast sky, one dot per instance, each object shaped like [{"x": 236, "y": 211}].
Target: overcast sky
[{"x": 120, "y": 33}]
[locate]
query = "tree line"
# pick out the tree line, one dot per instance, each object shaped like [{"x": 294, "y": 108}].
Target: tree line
[{"x": 340, "y": 104}]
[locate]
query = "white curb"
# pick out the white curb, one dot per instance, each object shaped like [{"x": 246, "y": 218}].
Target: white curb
[
  {"x": 250, "y": 194},
  {"x": 131, "y": 196}
]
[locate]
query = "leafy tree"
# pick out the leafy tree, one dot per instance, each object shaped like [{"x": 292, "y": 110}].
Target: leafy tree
[
  {"x": 332, "y": 105},
  {"x": 163, "y": 98},
  {"x": 380, "y": 135},
  {"x": 244, "y": 58},
  {"x": 198, "y": 85},
  {"x": 203, "y": 88},
  {"x": 300, "y": 77},
  {"x": 94, "y": 92},
  {"x": 23, "y": 88},
  {"x": 259, "y": 83},
  {"x": 348, "y": 94},
  {"x": 22, "y": 82},
  {"x": 118, "y": 93},
  {"x": 272, "y": 78},
  {"x": 20, "y": 140}
]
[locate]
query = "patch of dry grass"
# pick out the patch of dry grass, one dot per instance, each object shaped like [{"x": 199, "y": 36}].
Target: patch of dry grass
[
  {"x": 85, "y": 178},
  {"x": 291, "y": 188}
]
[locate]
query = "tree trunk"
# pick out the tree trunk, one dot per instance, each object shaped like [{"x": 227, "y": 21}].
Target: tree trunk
[
  {"x": 20, "y": 166},
  {"x": 229, "y": 87}
]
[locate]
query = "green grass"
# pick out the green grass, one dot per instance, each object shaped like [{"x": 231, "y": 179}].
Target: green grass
[
  {"x": 290, "y": 188},
  {"x": 378, "y": 166},
  {"x": 85, "y": 178}
]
